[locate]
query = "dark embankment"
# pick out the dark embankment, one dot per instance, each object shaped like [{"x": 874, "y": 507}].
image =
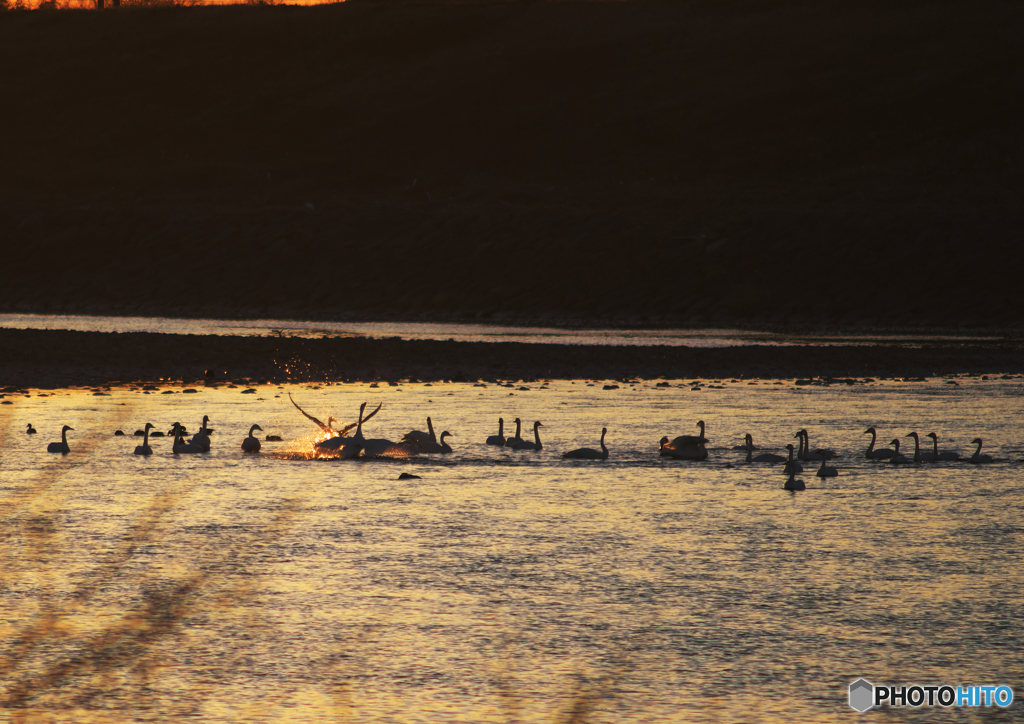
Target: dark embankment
[
  {"x": 662, "y": 162},
  {"x": 34, "y": 358}
]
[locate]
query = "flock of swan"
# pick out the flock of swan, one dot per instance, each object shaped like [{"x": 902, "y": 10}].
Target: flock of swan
[{"x": 344, "y": 444}]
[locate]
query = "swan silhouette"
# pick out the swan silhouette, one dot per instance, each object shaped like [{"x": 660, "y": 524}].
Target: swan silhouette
[
  {"x": 62, "y": 446},
  {"x": 897, "y": 458},
  {"x": 589, "y": 453},
  {"x": 762, "y": 458},
  {"x": 251, "y": 444},
  {"x": 498, "y": 439},
  {"x": 536, "y": 445},
  {"x": 144, "y": 448},
  {"x": 179, "y": 446},
  {"x": 977, "y": 458},
  {"x": 686, "y": 447},
  {"x": 792, "y": 466},
  {"x": 940, "y": 456},
  {"x": 424, "y": 441},
  {"x": 202, "y": 438},
  {"x": 871, "y": 453},
  {"x": 31, "y": 430},
  {"x": 826, "y": 471},
  {"x": 792, "y": 484},
  {"x": 510, "y": 441}
]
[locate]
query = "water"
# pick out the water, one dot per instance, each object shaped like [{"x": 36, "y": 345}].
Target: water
[
  {"x": 508, "y": 586},
  {"x": 489, "y": 332}
]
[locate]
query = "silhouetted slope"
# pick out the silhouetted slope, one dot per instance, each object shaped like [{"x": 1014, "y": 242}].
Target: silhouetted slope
[{"x": 660, "y": 161}]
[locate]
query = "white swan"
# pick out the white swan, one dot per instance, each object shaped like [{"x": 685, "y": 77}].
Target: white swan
[
  {"x": 144, "y": 448},
  {"x": 31, "y": 430},
  {"x": 792, "y": 484},
  {"x": 498, "y": 439},
  {"x": 420, "y": 439},
  {"x": 764, "y": 457},
  {"x": 936, "y": 455},
  {"x": 62, "y": 446},
  {"x": 179, "y": 446},
  {"x": 826, "y": 471},
  {"x": 686, "y": 447},
  {"x": 792, "y": 466},
  {"x": 252, "y": 444},
  {"x": 510, "y": 441},
  {"x": 873, "y": 454},
  {"x": 589, "y": 453},
  {"x": 897, "y": 458},
  {"x": 977, "y": 458},
  {"x": 202, "y": 438},
  {"x": 524, "y": 445}
]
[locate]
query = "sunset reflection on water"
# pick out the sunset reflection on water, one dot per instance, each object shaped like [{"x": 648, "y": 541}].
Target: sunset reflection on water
[{"x": 505, "y": 586}]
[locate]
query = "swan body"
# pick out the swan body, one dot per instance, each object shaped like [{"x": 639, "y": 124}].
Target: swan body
[
  {"x": 376, "y": 447},
  {"x": 144, "y": 448},
  {"x": 826, "y": 471},
  {"x": 898, "y": 459},
  {"x": 589, "y": 453},
  {"x": 445, "y": 447},
  {"x": 202, "y": 438},
  {"x": 977, "y": 458},
  {"x": 62, "y": 446},
  {"x": 792, "y": 466},
  {"x": 686, "y": 447},
  {"x": 919, "y": 457},
  {"x": 943, "y": 456},
  {"x": 871, "y": 453},
  {"x": 498, "y": 439},
  {"x": 179, "y": 446},
  {"x": 805, "y": 453},
  {"x": 792, "y": 484},
  {"x": 510, "y": 441},
  {"x": 31, "y": 430},
  {"x": 342, "y": 447},
  {"x": 763, "y": 458},
  {"x": 251, "y": 444},
  {"x": 535, "y": 445}
]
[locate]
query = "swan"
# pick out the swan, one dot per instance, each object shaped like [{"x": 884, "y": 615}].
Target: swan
[
  {"x": 589, "y": 453},
  {"x": 977, "y": 458},
  {"x": 510, "y": 441},
  {"x": 202, "y": 438},
  {"x": 375, "y": 447},
  {"x": 919, "y": 457},
  {"x": 420, "y": 439},
  {"x": 536, "y": 446},
  {"x": 805, "y": 453},
  {"x": 897, "y": 458},
  {"x": 826, "y": 471},
  {"x": 180, "y": 446},
  {"x": 62, "y": 446},
  {"x": 144, "y": 448},
  {"x": 936, "y": 455},
  {"x": 686, "y": 447},
  {"x": 445, "y": 447},
  {"x": 793, "y": 484},
  {"x": 792, "y": 466},
  {"x": 498, "y": 439},
  {"x": 328, "y": 428},
  {"x": 873, "y": 454},
  {"x": 252, "y": 444},
  {"x": 31, "y": 430},
  {"x": 763, "y": 458}
]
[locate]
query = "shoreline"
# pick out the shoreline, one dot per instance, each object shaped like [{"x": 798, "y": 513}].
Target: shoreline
[{"x": 46, "y": 359}]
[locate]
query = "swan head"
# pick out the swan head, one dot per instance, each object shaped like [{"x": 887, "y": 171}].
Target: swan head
[
  {"x": 604, "y": 431},
  {"x": 912, "y": 434},
  {"x": 976, "y": 441},
  {"x": 149, "y": 426},
  {"x": 255, "y": 427},
  {"x": 446, "y": 434},
  {"x": 538, "y": 424},
  {"x": 663, "y": 441},
  {"x": 501, "y": 421},
  {"x": 799, "y": 433},
  {"x": 933, "y": 436},
  {"x": 748, "y": 437},
  {"x": 66, "y": 428},
  {"x": 825, "y": 454},
  {"x": 206, "y": 419},
  {"x": 790, "y": 447},
  {"x": 518, "y": 421},
  {"x": 870, "y": 431},
  {"x": 894, "y": 442}
]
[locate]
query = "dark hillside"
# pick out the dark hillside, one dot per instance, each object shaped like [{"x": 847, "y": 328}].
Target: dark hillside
[{"x": 662, "y": 162}]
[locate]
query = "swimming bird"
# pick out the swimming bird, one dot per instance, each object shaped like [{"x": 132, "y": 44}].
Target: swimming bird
[
  {"x": 536, "y": 446},
  {"x": 792, "y": 466},
  {"x": 940, "y": 456},
  {"x": 919, "y": 457},
  {"x": 445, "y": 447},
  {"x": 805, "y": 453},
  {"x": 686, "y": 447},
  {"x": 420, "y": 439},
  {"x": 793, "y": 484},
  {"x": 826, "y": 471},
  {"x": 977, "y": 458},
  {"x": 510, "y": 441},
  {"x": 202, "y": 438},
  {"x": 498, "y": 439},
  {"x": 589, "y": 453},
  {"x": 179, "y": 446},
  {"x": 328, "y": 428},
  {"x": 251, "y": 444},
  {"x": 376, "y": 447},
  {"x": 144, "y": 448},
  {"x": 62, "y": 446},
  {"x": 31, "y": 430},
  {"x": 897, "y": 458},
  {"x": 871, "y": 453},
  {"x": 764, "y": 457}
]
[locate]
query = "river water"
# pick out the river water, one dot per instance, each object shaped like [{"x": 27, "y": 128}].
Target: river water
[{"x": 508, "y": 586}]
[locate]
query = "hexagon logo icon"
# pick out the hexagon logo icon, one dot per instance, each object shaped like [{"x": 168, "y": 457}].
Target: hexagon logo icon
[{"x": 862, "y": 695}]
